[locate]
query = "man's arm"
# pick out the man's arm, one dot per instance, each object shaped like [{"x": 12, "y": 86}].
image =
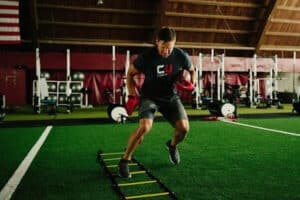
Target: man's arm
[
  {"x": 188, "y": 85},
  {"x": 193, "y": 74},
  {"x": 130, "y": 83},
  {"x": 133, "y": 98}
]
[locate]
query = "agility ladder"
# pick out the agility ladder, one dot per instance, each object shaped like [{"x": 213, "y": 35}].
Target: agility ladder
[{"x": 103, "y": 158}]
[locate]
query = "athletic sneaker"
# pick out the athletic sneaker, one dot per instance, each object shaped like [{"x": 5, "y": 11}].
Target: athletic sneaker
[
  {"x": 173, "y": 153},
  {"x": 124, "y": 169}
]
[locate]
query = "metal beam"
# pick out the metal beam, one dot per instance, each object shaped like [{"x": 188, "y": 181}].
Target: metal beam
[
  {"x": 94, "y": 42},
  {"x": 209, "y": 16},
  {"x": 265, "y": 26},
  {"x": 279, "y": 48},
  {"x": 219, "y": 3},
  {"x": 283, "y": 34},
  {"x": 211, "y": 30},
  {"x": 34, "y": 23},
  {"x": 93, "y": 9},
  {"x": 289, "y": 8},
  {"x": 285, "y": 21},
  {"x": 224, "y": 46},
  {"x": 127, "y": 43},
  {"x": 95, "y": 25}
]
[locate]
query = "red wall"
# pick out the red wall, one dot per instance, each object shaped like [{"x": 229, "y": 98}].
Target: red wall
[
  {"x": 57, "y": 60},
  {"x": 13, "y": 85},
  {"x": 16, "y": 84},
  {"x": 96, "y": 66}
]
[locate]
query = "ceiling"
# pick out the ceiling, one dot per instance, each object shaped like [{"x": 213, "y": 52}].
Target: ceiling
[{"x": 236, "y": 27}]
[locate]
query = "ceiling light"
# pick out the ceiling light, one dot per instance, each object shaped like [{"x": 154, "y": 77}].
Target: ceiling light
[{"x": 99, "y": 2}]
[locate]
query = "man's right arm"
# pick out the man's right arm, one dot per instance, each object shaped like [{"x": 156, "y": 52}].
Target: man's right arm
[
  {"x": 133, "y": 98},
  {"x": 132, "y": 71}
]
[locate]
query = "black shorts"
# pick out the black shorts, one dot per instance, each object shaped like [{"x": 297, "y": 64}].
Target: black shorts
[{"x": 172, "y": 109}]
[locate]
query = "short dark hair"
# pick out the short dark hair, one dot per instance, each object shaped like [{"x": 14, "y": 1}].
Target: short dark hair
[{"x": 166, "y": 34}]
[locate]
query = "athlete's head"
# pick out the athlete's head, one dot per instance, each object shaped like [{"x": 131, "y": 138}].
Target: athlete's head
[{"x": 165, "y": 41}]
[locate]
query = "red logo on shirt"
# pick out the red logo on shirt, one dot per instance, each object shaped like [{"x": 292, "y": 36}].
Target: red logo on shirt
[{"x": 168, "y": 69}]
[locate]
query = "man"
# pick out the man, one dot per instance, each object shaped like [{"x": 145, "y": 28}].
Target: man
[{"x": 161, "y": 66}]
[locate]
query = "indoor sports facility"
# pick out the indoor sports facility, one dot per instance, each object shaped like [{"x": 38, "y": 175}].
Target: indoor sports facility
[{"x": 87, "y": 93}]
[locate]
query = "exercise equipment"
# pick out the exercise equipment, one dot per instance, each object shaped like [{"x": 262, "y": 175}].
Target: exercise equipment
[
  {"x": 78, "y": 76},
  {"x": 201, "y": 99},
  {"x": 117, "y": 113},
  {"x": 296, "y": 107},
  {"x": 45, "y": 75},
  {"x": 41, "y": 89},
  {"x": 86, "y": 91},
  {"x": 124, "y": 90},
  {"x": 255, "y": 97},
  {"x": 69, "y": 104},
  {"x": 109, "y": 163},
  {"x": 220, "y": 109},
  {"x": 114, "y": 73},
  {"x": 2, "y": 107},
  {"x": 217, "y": 105},
  {"x": 57, "y": 93}
]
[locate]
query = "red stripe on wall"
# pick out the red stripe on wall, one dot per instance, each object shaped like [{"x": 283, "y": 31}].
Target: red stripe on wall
[
  {"x": 9, "y": 7},
  {"x": 9, "y": 33},
  {"x": 9, "y": 24},
  {"x": 9, "y": 15}
]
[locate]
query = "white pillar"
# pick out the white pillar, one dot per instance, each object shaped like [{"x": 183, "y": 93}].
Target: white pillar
[
  {"x": 275, "y": 76},
  {"x": 127, "y": 64},
  {"x": 68, "y": 74},
  {"x": 223, "y": 76},
  {"x": 38, "y": 74},
  {"x": 114, "y": 72}
]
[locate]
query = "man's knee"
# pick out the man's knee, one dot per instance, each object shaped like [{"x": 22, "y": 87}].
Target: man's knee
[
  {"x": 182, "y": 126},
  {"x": 145, "y": 126}
]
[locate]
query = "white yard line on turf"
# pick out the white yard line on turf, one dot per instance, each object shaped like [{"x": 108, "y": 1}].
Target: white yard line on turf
[
  {"x": 261, "y": 128},
  {"x": 11, "y": 185}
]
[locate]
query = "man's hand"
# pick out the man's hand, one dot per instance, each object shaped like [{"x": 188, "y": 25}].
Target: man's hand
[
  {"x": 133, "y": 101},
  {"x": 186, "y": 86}
]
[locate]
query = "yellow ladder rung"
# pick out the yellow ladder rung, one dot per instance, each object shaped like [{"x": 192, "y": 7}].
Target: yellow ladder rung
[
  {"x": 112, "y": 166},
  {"x": 135, "y": 183},
  {"x": 113, "y": 153},
  {"x": 138, "y": 172},
  {"x": 148, "y": 195},
  {"x": 133, "y": 173},
  {"x": 108, "y": 159}
]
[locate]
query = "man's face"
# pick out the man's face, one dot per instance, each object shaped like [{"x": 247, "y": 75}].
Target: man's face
[{"x": 165, "y": 48}]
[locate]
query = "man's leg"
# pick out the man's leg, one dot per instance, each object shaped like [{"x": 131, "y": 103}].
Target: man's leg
[
  {"x": 177, "y": 116},
  {"x": 135, "y": 139},
  {"x": 181, "y": 129}
]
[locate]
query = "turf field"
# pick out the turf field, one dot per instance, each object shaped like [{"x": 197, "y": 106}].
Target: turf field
[
  {"x": 219, "y": 160},
  {"x": 26, "y": 113}
]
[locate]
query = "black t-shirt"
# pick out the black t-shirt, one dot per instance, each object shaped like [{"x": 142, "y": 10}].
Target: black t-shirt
[{"x": 160, "y": 73}]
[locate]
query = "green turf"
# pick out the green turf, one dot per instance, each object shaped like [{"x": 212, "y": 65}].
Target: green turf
[
  {"x": 218, "y": 161},
  {"x": 26, "y": 113},
  {"x": 221, "y": 161},
  {"x": 15, "y": 144},
  {"x": 285, "y": 124},
  {"x": 66, "y": 166}
]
